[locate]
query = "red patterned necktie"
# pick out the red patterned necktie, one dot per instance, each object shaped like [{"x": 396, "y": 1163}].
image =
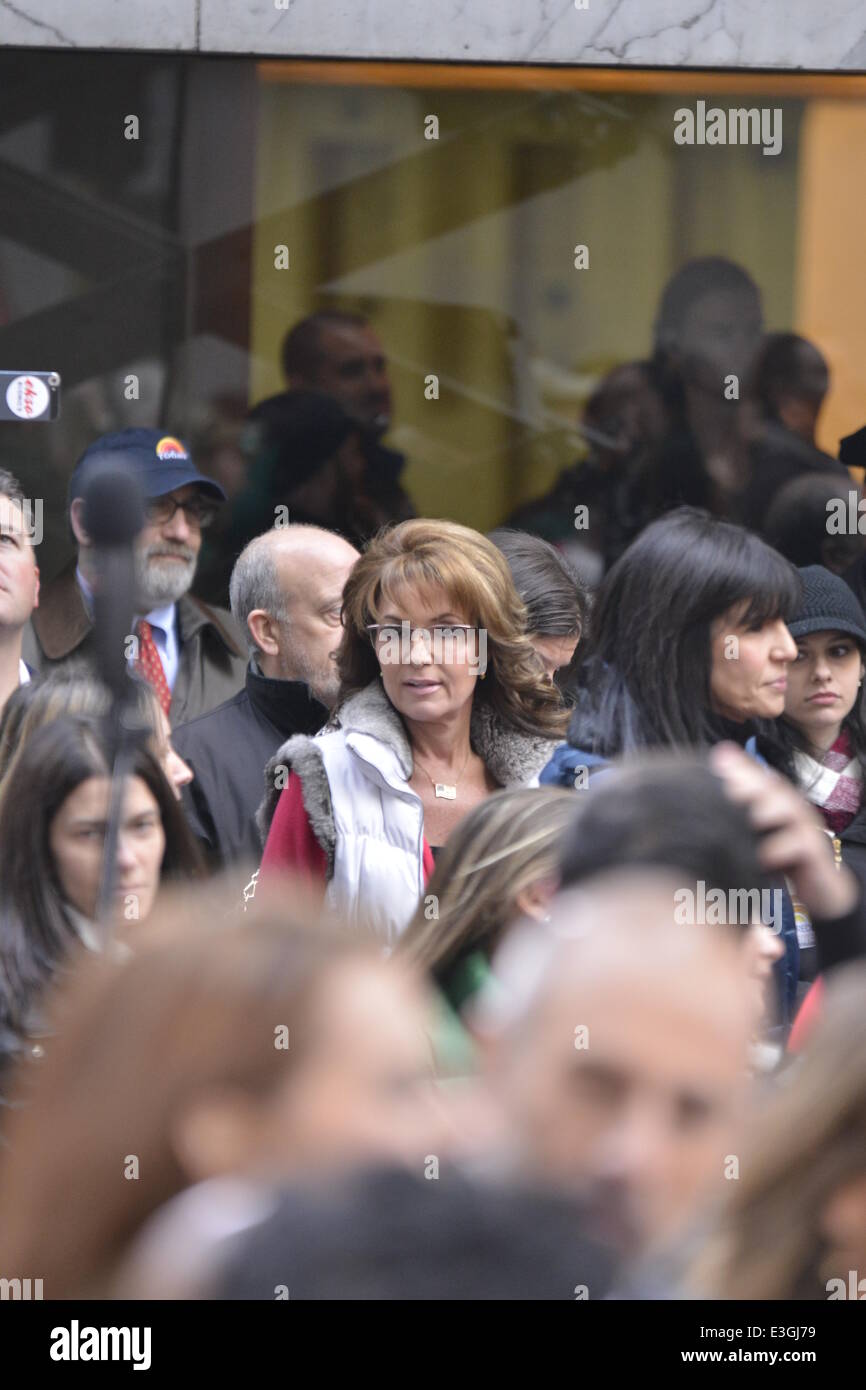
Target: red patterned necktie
[{"x": 148, "y": 663}]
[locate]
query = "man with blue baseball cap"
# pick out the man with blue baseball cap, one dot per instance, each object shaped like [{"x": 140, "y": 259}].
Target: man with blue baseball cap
[{"x": 190, "y": 652}]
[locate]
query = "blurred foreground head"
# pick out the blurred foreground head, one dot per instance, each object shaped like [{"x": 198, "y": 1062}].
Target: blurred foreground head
[
  {"x": 795, "y": 1226},
  {"x": 389, "y": 1234},
  {"x": 618, "y": 1049},
  {"x": 274, "y": 1048},
  {"x": 671, "y": 810}
]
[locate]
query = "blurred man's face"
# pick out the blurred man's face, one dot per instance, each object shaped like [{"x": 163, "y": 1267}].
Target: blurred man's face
[
  {"x": 19, "y": 576},
  {"x": 352, "y": 368},
  {"x": 637, "y": 1120}
]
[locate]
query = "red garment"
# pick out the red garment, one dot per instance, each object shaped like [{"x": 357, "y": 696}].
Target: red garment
[
  {"x": 843, "y": 803},
  {"x": 148, "y": 663},
  {"x": 807, "y": 1016},
  {"x": 291, "y": 843}
]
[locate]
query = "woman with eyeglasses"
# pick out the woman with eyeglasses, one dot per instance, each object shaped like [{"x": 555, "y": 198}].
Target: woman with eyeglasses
[{"x": 442, "y": 702}]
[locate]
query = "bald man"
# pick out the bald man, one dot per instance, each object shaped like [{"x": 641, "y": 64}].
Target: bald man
[
  {"x": 618, "y": 1055},
  {"x": 286, "y": 594}
]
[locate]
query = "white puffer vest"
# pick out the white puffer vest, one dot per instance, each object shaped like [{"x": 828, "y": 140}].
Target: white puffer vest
[
  {"x": 378, "y": 873},
  {"x": 364, "y": 814}
]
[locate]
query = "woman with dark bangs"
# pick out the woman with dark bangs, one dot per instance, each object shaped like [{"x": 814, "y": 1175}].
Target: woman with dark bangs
[
  {"x": 688, "y": 644},
  {"x": 689, "y": 648},
  {"x": 443, "y": 701}
]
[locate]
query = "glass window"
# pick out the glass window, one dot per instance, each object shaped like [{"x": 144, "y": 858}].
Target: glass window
[{"x": 506, "y": 234}]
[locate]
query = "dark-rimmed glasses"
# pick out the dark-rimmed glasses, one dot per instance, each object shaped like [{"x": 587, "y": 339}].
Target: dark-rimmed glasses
[{"x": 199, "y": 511}]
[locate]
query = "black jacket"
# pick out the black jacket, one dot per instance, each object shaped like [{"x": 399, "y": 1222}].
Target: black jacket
[
  {"x": 853, "y": 842},
  {"x": 776, "y": 458},
  {"x": 228, "y": 749},
  {"x": 384, "y": 467}
]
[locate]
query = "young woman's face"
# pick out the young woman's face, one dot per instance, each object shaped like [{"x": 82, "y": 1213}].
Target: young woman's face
[
  {"x": 427, "y": 667},
  {"x": 750, "y": 665},
  {"x": 823, "y": 683},
  {"x": 76, "y": 838}
]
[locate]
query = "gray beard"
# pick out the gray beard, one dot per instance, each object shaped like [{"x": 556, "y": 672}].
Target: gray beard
[
  {"x": 160, "y": 581},
  {"x": 324, "y": 682}
]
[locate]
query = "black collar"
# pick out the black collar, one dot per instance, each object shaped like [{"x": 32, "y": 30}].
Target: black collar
[
  {"x": 734, "y": 731},
  {"x": 288, "y": 705}
]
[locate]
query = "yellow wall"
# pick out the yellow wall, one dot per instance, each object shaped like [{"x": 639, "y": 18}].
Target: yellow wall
[{"x": 831, "y": 275}]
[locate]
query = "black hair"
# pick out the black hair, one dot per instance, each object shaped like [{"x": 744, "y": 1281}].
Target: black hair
[
  {"x": 796, "y": 520},
  {"x": 389, "y": 1234},
  {"x": 301, "y": 348},
  {"x": 787, "y": 365},
  {"x": 665, "y": 810},
  {"x": 555, "y": 599},
  {"x": 644, "y": 681}
]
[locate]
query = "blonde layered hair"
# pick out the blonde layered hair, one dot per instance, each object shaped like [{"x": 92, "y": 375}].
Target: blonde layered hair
[
  {"x": 421, "y": 554},
  {"x": 504, "y": 846}
]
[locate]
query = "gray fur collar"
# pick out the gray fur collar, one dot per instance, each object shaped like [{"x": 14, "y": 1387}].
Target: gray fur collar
[{"x": 513, "y": 758}]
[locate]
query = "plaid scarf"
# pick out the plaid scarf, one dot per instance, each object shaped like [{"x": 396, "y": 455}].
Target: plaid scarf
[{"x": 835, "y": 784}]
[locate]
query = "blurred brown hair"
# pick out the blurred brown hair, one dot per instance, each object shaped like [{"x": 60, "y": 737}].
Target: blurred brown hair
[
  {"x": 505, "y": 845},
  {"x": 196, "y": 1008},
  {"x": 808, "y": 1142}
]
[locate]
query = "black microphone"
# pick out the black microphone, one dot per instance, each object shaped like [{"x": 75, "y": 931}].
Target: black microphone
[{"x": 113, "y": 518}]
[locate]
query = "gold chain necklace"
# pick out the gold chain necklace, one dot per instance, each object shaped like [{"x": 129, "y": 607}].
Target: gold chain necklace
[{"x": 444, "y": 789}]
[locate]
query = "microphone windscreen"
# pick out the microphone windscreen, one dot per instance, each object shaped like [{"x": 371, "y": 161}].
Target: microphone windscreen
[{"x": 113, "y": 504}]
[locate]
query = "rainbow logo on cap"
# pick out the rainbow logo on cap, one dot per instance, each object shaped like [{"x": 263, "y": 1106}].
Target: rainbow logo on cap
[{"x": 170, "y": 448}]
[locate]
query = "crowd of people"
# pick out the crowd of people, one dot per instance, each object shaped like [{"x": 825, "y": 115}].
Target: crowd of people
[{"x": 487, "y": 912}]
